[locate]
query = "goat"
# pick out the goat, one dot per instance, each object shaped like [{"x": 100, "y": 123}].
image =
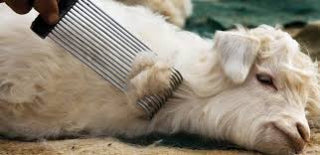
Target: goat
[{"x": 250, "y": 87}]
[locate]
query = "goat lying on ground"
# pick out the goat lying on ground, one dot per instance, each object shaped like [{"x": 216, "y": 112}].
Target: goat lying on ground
[{"x": 250, "y": 87}]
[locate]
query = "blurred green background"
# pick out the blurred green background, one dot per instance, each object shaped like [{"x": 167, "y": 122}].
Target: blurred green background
[{"x": 211, "y": 15}]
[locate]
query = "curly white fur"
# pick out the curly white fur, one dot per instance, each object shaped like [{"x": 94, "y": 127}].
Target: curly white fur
[
  {"x": 176, "y": 11},
  {"x": 45, "y": 92}
]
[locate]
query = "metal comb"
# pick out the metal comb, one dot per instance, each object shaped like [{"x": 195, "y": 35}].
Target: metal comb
[{"x": 101, "y": 43}]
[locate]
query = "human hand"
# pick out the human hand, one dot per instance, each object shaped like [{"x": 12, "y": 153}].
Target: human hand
[{"x": 48, "y": 9}]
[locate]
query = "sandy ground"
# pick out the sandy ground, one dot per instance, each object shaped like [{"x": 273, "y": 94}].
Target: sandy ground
[
  {"x": 111, "y": 146},
  {"x": 309, "y": 37},
  {"x": 107, "y": 146}
]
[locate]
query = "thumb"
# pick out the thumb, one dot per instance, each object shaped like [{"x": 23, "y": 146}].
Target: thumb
[{"x": 48, "y": 10}]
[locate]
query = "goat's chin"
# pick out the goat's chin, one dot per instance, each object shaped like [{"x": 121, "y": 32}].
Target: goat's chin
[{"x": 273, "y": 141}]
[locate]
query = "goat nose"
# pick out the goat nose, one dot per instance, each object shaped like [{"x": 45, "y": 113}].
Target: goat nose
[
  {"x": 297, "y": 134},
  {"x": 303, "y": 131}
]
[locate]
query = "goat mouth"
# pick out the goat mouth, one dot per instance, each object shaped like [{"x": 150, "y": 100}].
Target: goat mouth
[{"x": 296, "y": 143}]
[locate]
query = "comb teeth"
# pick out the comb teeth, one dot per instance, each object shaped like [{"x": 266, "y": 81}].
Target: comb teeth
[{"x": 98, "y": 41}]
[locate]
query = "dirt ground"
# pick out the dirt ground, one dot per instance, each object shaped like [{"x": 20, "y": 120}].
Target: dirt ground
[
  {"x": 111, "y": 146},
  {"x": 107, "y": 146}
]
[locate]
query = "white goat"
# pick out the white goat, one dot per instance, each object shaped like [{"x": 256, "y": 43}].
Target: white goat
[{"x": 250, "y": 87}]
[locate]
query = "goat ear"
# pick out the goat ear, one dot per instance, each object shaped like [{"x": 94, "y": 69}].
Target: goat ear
[{"x": 237, "y": 52}]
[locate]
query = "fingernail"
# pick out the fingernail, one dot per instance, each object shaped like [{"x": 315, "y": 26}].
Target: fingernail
[{"x": 52, "y": 19}]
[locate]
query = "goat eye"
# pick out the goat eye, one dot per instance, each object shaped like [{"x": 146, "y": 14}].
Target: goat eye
[{"x": 265, "y": 79}]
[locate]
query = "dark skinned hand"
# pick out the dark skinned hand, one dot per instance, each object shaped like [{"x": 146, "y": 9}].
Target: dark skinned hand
[{"x": 48, "y": 9}]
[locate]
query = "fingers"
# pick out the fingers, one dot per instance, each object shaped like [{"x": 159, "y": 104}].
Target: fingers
[
  {"x": 48, "y": 10},
  {"x": 18, "y": 6}
]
